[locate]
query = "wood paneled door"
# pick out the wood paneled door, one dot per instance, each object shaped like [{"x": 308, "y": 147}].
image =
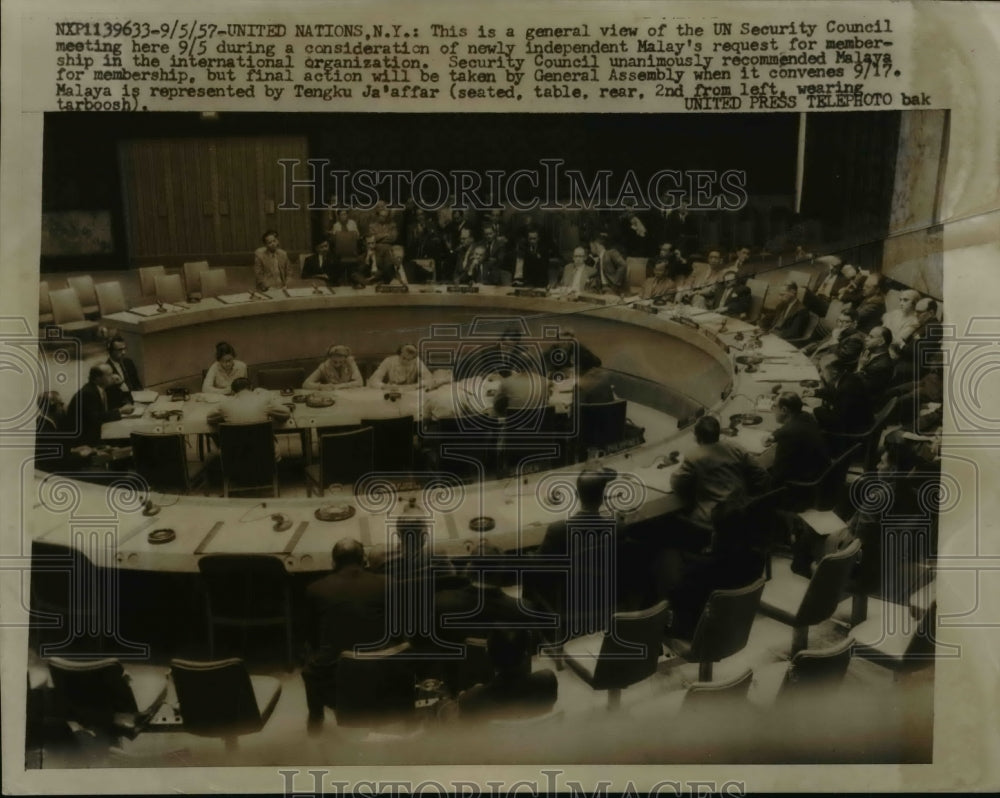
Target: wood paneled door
[{"x": 209, "y": 198}]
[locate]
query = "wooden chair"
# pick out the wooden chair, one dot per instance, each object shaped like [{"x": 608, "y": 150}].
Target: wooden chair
[
  {"x": 248, "y": 461},
  {"x": 808, "y": 670},
  {"x": 622, "y": 656},
  {"x": 213, "y": 282},
  {"x": 67, "y": 313},
  {"x": 344, "y": 457},
  {"x": 162, "y": 461},
  {"x": 801, "y": 603},
  {"x": 147, "y": 279},
  {"x": 247, "y": 591},
  {"x": 713, "y": 697},
  {"x": 220, "y": 699},
  {"x": 723, "y": 628},
  {"x": 83, "y": 284},
  {"x": 192, "y": 275},
  {"x": 110, "y": 298},
  {"x": 169, "y": 288}
]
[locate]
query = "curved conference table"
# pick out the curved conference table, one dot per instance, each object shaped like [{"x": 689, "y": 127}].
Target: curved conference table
[{"x": 667, "y": 362}]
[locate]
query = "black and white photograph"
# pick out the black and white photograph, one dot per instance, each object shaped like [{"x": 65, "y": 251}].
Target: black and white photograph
[{"x": 457, "y": 439}]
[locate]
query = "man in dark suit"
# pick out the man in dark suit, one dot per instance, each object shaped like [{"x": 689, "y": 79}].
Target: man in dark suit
[
  {"x": 838, "y": 352},
  {"x": 825, "y": 286},
  {"x": 736, "y": 299},
  {"x": 91, "y": 407},
  {"x": 800, "y": 451},
  {"x": 321, "y": 264},
  {"x": 463, "y": 269},
  {"x": 533, "y": 261},
  {"x": 496, "y": 269},
  {"x": 791, "y": 317},
  {"x": 849, "y": 405},
  {"x": 126, "y": 375},
  {"x": 346, "y": 609},
  {"x": 612, "y": 269},
  {"x": 374, "y": 264},
  {"x": 871, "y": 306}
]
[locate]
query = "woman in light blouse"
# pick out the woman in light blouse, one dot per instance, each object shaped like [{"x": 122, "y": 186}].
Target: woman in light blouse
[
  {"x": 338, "y": 371},
  {"x": 402, "y": 371},
  {"x": 226, "y": 368}
]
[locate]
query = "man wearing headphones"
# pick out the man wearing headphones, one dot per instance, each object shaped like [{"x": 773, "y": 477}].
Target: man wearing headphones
[{"x": 126, "y": 375}]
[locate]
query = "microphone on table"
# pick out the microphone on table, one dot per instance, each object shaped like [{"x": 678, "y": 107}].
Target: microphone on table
[{"x": 150, "y": 508}]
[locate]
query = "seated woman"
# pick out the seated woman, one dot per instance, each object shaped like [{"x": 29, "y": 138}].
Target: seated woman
[
  {"x": 338, "y": 371},
  {"x": 226, "y": 368},
  {"x": 403, "y": 371}
]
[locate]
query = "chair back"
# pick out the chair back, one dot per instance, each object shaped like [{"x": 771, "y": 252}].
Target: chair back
[
  {"x": 602, "y": 423},
  {"x": 280, "y": 379},
  {"x": 91, "y": 693},
  {"x": 345, "y": 244},
  {"x": 374, "y": 687},
  {"x": 66, "y": 307},
  {"x": 758, "y": 293},
  {"x": 44, "y": 302},
  {"x": 169, "y": 288},
  {"x": 724, "y": 626},
  {"x": 801, "y": 280},
  {"x": 631, "y": 647},
  {"x": 812, "y": 668},
  {"x": 718, "y": 696},
  {"x": 822, "y": 492},
  {"x": 750, "y": 527},
  {"x": 247, "y": 452},
  {"x": 161, "y": 460},
  {"x": 192, "y": 275},
  {"x": 345, "y": 457},
  {"x": 393, "y": 442},
  {"x": 827, "y": 586},
  {"x": 244, "y": 585},
  {"x": 147, "y": 279},
  {"x": 213, "y": 282},
  {"x": 216, "y": 698},
  {"x": 638, "y": 271},
  {"x": 874, "y": 436},
  {"x": 110, "y": 298},
  {"x": 83, "y": 284}
]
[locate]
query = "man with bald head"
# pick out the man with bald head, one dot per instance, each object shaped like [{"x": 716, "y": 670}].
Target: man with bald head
[
  {"x": 345, "y": 609},
  {"x": 91, "y": 407}
]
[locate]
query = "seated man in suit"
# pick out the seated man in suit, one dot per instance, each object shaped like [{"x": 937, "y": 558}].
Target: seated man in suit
[
  {"x": 610, "y": 266},
  {"x": 791, "y": 318},
  {"x": 126, "y": 374},
  {"x": 659, "y": 286},
  {"x": 514, "y": 691},
  {"x": 871, "y": 305},
  {"x": 800, "y": 451},
  {"x": 91, "y": 407},
  {"x": 590, "y": 488},
  {"x": 825, "y": 287},
  {"x": 736, "y": 298},
  {"x": 248, "y": 407},
  {"x": 839, "y": 351},
  {"x": 345, "y": 609},
  {"x": 321, "y": 265},
  {"x": 577, "y": 275},
  {"x": 50, "y": 426},
  {"x": 709, "y": 279}
]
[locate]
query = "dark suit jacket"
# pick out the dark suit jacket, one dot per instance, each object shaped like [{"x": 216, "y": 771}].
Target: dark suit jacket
[
  {"x": 712, "y": 473},
  {"x": 877, "y": 373},
  {"x": 118, "y": 397},
  {"x": 615, "y": 270},
  {"x": 87, "y": 410},
  {"x": 800, "y": 451},
  {"x": 870, "y": 312},
  {"x": 482, "y": 608},
  {"x": 346, "y": 608},
  {"x": 737, "y": 302},
  {"x": 817, "y": 282},
  {"x": 311, "y": 267},
  {"x": 793, "y": 324}
]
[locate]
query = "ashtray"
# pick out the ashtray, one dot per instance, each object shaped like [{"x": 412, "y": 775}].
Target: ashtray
[
  {"x": 482, "y": 523},
  {"x": 319, "y": 400},
  {"x": 334, "y": 512},
  {"x": 158, "y": 536},
  {"x": 750, "y": 419},
  {"x": 809, "y": 383}
]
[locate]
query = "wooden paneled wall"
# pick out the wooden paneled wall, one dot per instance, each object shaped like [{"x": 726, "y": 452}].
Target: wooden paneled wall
[{"x": 205, "y": 198}]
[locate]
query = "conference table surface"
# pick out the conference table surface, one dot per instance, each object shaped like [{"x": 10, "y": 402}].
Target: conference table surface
[{"x": 109, "y": 526}]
